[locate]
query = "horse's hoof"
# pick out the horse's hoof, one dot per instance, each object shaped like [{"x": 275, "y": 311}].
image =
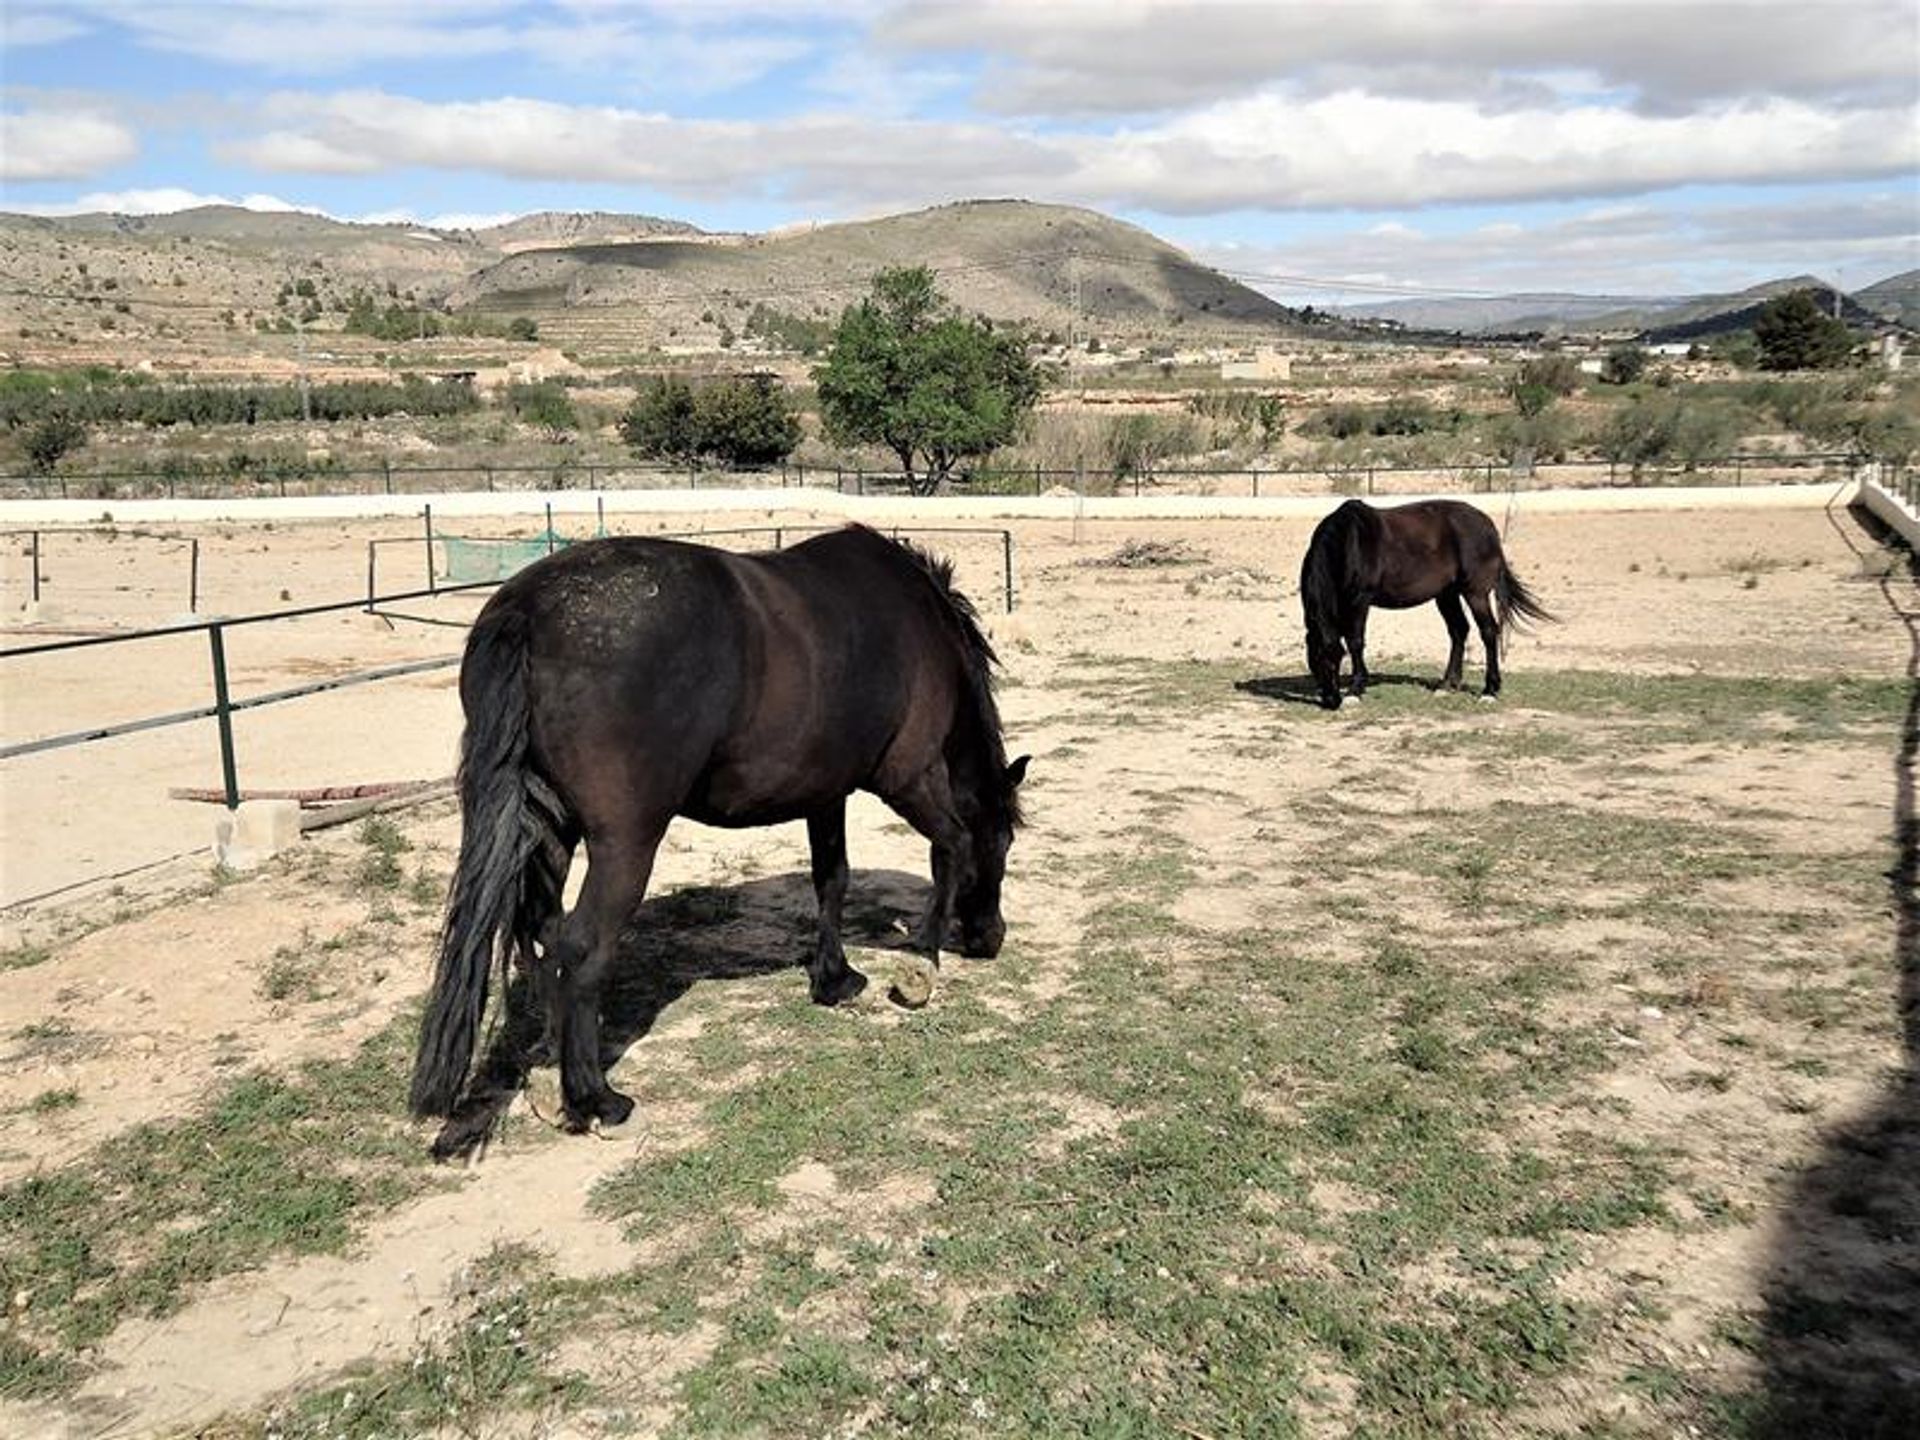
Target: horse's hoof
[
  {"x": 839, "y": 990},
  {"x": 1356, "y": 697},
  {"x": 1487, "y": 699},
  {"x": 604, "y": 1111}
]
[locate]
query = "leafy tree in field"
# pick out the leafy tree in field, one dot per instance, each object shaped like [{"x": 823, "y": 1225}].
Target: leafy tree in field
[
  {"x": 522, "y": 327},
  {"x": 747, "y": 421},
  {"x": 1624, "y": 365},
  {"x": 1795, "y": 333},
  {"x": 545, "y": 404},
  {"x": 660, "y": 422},
  {"x": 934, "y": 387},
  {"x": 50, "y": 438},
  {"x": 1540, "y": 382}
]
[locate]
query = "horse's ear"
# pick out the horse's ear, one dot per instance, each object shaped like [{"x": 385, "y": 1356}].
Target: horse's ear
[{"x": 1017, "y": 771}]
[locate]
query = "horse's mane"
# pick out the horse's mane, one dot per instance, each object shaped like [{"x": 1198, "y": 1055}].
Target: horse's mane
[
  {"x": 978, "y": 652},
  {"x": 1333, "y": 560}
]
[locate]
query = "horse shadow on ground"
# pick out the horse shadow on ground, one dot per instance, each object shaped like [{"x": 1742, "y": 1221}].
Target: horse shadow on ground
[
  {"x": 1303, "y": 689},
  {"x": 1839, "y": 1340},
  {"x": 675, "y": 941}
]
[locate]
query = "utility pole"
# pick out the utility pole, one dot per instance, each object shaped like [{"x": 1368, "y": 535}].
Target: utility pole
[
  {"x": 1073, "y": 293},
  {"x": 306, "y": 398}
]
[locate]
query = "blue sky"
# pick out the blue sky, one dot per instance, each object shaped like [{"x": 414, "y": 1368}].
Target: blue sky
[{"x": 1644, "y": 146}]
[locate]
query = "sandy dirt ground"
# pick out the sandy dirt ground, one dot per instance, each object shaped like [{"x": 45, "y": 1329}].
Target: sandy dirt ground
[
  {"x": 1636, "y": 592},
  {"x": 145, "y": 990}
]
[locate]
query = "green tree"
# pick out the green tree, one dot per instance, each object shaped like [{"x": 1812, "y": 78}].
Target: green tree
[
  {"x": 1540, "y": 382},
  {"x": 932, "y": 386},
  {"x": 745, "y": 422},
  {"x": 748, "y": 421},
  {"x": 660, "y": 424},
  {"x": 522, "y": 327},
  {"x": 1795, "y": 333},
  {"x": 50, "y": 438},
  {"x": 545, "y": 404},
  {"x": 1624, "y": 365}
]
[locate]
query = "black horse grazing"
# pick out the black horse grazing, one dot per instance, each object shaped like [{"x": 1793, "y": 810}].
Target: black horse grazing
[
  {"x": 623, "y": 682},
  {"x": 1446, "y": 551}
]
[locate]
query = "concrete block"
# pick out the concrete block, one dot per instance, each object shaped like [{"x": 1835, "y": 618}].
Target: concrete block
[{"x": 246, "y": 838}]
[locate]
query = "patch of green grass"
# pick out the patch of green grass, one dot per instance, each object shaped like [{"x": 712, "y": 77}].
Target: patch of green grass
[
  {"x": 275, "y": 1165},
  {"x": 382, "y": 844},
  {"x": 293, "y": 973},
  {"x": 21, "y": 957},
  {"x": 497, "y": 1361},
  {"x": 48, "y": 1102},
  {"x": 1122, "y": 1279}
]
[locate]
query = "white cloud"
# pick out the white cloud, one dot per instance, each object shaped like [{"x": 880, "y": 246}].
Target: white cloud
[
  {"x": 670, "y": 47},
  {"x": 61, "y": 144},
  {"x": 1604, "y": 250},
  {"x": 1131, "y": 56},
  {"x": 832, "y": 157},
  {"x": 21, "y": 27},
  {"x": 161, "y": 200},
  {"x": 1268, "y": 152},
  {"x": 457, "y": 220}
]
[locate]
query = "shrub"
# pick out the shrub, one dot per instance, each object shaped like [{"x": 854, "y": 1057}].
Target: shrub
[
  {"x": 749, "y": 421},
  {"x": 1624, "y": 365},
  {"x": 545, "y": 404},
  {"x": 47, "y": 440}
]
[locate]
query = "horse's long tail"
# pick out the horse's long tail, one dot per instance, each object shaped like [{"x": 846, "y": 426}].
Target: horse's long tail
[
  {"x": 1518, "y": 604},
  {"x": 510, "y": 823}
]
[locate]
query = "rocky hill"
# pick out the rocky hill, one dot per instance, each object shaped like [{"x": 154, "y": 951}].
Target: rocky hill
[
  {"x": 1895, "y": 298},
  {"x": 224, "y": 281},
  {"x": 1059, "y": 268}
]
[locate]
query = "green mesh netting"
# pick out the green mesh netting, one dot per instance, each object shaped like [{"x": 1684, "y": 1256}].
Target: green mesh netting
[{"x": 470, "y": 559}]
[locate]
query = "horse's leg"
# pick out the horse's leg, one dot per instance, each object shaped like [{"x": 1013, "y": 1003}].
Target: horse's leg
[
  {"x": 618, "y": 868},
  {"x": 1456, "y": 617},
  {"x": 1356, "y": 638},
  {"x": 830, "y": 979},
  {"x": 927, "y": 805},
  {"x": 1480, "y": 602},
  {"x": 538, "y": 927}
]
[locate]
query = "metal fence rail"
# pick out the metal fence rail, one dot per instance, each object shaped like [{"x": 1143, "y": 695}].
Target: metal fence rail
[
  {"x": 1354, "y": 477},
  {"x": 225, "y": 705}
]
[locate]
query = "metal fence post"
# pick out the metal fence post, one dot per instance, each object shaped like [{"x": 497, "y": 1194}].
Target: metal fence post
[
  {"x": 193, "y": 578},
  {"x": 1006, "y": 553},
  {"x": 370, "y": 568},
  {"x": 426, "y": 516},
  {"x": 549, "y": 527},
  {"x": 386, "y": 467},
  {"x": 36, "y": 567},
  {"x": 223, "y": 715}
]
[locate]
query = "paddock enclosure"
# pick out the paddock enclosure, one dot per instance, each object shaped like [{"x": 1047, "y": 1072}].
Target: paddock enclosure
[{"x": 1425, "y": 1068}]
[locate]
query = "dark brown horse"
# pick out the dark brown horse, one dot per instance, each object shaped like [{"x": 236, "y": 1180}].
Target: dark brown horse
[
  {"x": 623, "y": 682},
  {"x": 1441, "y": 550}
]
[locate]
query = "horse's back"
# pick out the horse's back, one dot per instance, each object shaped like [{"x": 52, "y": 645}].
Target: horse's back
[{"x": 744, "y": 687}]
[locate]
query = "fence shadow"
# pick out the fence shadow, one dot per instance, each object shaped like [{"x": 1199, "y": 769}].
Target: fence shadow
[
  {"x": 1840, "y": 1325},
  {"x": 676, "y": 941}
]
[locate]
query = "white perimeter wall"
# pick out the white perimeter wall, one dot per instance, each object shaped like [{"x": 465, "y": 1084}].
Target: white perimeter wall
[
  {"x": 1892, "y": 511},
  {"x": 896, "y": 509}
]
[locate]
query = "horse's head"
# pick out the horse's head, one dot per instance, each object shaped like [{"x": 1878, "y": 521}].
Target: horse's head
[
  {"x": 1324, "y": 652},
  {"x": 995, "y": 816}
]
